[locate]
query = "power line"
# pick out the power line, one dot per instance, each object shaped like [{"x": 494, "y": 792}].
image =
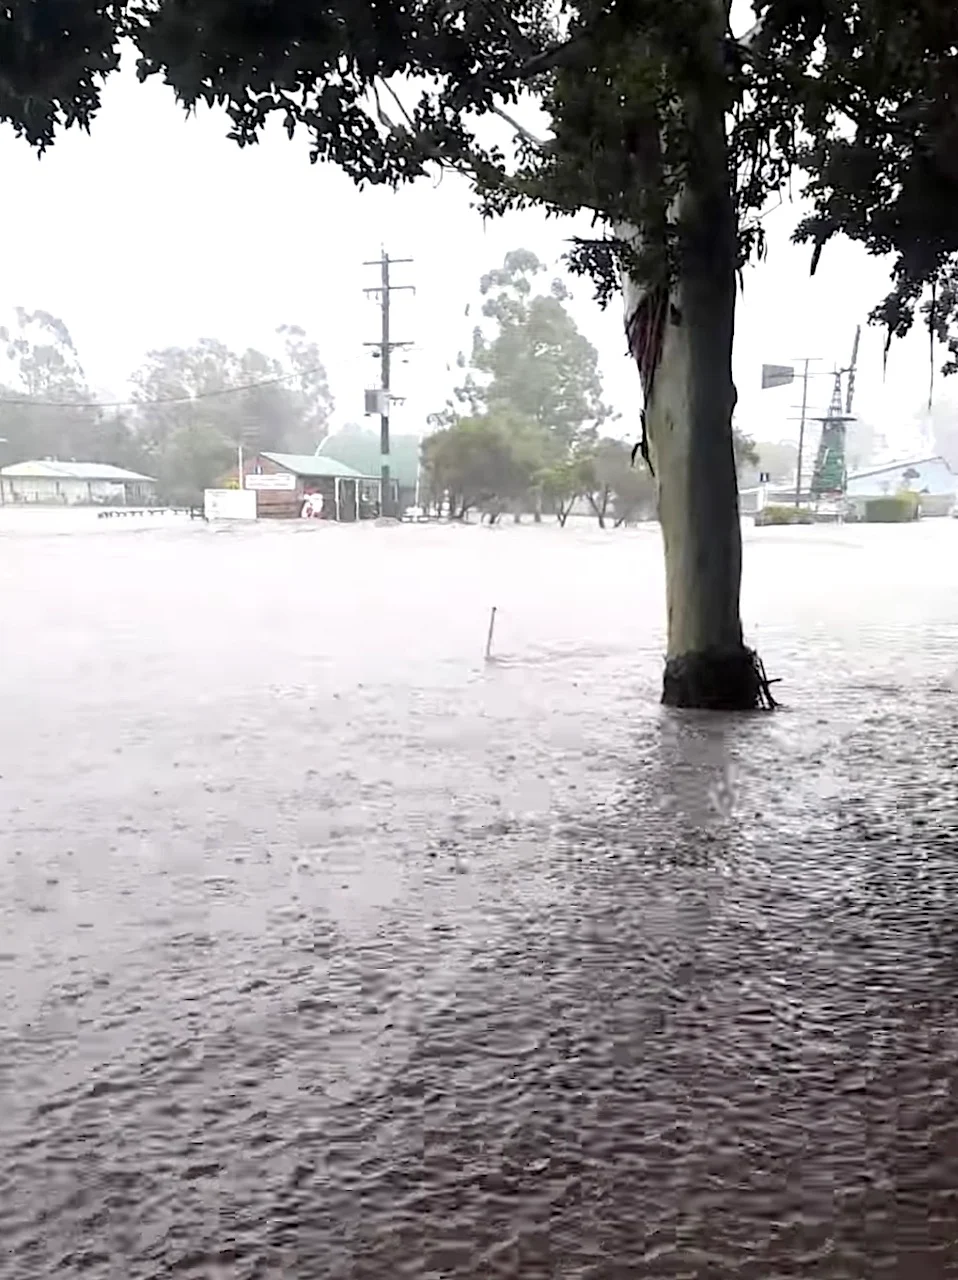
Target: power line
[{"x": 140, "y": 404}]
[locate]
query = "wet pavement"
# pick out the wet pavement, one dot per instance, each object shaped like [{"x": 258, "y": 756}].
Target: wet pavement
[{"x": 327, "y": 951}]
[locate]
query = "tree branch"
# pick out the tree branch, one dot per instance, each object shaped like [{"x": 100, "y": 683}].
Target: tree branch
[
  {"x": 523, "y": 132},
  {"x": 535, "y": 62},
  {"x": 560, "y": 55}
]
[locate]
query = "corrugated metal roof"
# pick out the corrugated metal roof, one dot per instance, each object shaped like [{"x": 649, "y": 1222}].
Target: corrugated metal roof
[
  {"x": 315, "y": 466},
  {"x": 897, "y": 466},
  {"x": 360, "y": 449},
  {"x": 51, "y": 469}
]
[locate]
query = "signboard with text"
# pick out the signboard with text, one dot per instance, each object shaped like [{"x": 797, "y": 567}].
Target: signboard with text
[
  {"x": 229, "y": 504},
  {"x": 283, "y": 480}
]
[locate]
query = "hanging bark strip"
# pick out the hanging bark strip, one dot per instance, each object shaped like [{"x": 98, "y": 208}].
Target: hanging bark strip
[{"x": 644, "y": 332}]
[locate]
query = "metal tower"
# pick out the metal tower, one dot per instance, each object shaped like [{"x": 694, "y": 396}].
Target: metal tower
[{"x": 830, "y": 474}]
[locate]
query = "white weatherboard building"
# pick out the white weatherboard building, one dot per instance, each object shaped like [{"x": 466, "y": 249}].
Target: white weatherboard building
[
  {"x": 931, "y": 478},
  {"x": 74, "y": 484}
]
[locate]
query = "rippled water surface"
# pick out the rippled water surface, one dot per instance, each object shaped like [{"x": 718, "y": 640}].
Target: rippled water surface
[{"x": 327, "y": 951}]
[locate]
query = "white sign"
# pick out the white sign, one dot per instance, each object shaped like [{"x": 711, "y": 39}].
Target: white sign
[
  {"x": 284, "y": 480},
  {"x": 229, "y": 504},
  {"x": 777, "y": 375}
]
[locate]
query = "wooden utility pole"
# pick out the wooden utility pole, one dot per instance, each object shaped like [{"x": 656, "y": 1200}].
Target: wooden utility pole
[{"x": 386, "y": 346}]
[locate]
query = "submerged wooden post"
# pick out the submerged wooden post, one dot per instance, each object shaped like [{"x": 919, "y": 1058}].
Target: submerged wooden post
[{"x": 492, "y": 627}]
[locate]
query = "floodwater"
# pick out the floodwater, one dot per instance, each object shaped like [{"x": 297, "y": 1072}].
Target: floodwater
[{"x": 328, "y": 951}]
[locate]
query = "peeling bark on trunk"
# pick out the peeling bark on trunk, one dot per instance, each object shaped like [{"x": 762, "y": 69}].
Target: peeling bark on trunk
[{"x": 681, "y": 339}]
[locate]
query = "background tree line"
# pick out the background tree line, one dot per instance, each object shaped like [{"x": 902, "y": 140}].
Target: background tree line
[
  {"x": 527, "y": 430},
  {"x": 178, "y": 426}
]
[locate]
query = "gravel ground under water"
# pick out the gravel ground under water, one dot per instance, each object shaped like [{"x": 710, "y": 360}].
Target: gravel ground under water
[{"x": 328, "y": 951}]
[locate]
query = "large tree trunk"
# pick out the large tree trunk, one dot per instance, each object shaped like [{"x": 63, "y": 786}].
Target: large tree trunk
[{"x": 681, "y": 338}]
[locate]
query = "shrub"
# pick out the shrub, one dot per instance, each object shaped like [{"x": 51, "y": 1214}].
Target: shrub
[
  {"x": 897, "y": 509},
  {"x": 774, "y": 514}
]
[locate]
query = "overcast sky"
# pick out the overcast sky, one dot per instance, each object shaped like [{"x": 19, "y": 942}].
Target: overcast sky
[{"x": 156, "y": 230}]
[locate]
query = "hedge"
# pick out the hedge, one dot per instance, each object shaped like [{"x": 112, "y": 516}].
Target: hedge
[
  {"x": 897, "y": 509},
  {"x": 773, "y": 514}
]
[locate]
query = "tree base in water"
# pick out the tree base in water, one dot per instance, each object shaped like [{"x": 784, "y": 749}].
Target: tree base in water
[{"x": 717, "y": 680}]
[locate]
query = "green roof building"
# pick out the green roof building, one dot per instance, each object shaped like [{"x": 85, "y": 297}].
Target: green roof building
[
  {"x": 358, "y": 447},
  {"x": 313, "y": 466}
]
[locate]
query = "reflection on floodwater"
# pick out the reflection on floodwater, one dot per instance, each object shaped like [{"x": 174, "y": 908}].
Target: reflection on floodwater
[{"x": 327, "y": 950}]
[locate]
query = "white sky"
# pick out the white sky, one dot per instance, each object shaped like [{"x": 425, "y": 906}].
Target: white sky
[{"x": 156, "y": 230}]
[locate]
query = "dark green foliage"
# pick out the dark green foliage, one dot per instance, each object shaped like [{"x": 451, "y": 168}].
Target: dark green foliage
[
  {"x": 54, "y": 57},
  {"x": 881, "y": 151},
  {"x": 482, "y": 462},
  {"x": 858, "y": 95},
  {"x": 492, "y": 463}
]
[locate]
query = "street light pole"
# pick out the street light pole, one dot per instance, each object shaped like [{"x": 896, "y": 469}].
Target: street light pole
[
  {"x": 801, "y": 435},
  {"x": 782, "y": 375}
]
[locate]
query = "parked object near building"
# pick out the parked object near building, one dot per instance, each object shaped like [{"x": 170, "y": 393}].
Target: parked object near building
[
  {"x": 931, "y": 479},
  {"x": 53, "y": 483},
  {"x": 283, "y": 482},
  {"x": 312, "y": 507}
]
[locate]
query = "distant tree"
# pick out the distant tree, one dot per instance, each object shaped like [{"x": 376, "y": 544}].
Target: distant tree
[
  {"x": 633, "y": 489},
  {"x": 112, "y": 437},
  {"x": 601, "y": 472},
  {"x": 309, "y": 399},
  {"x": 536, "y": 366},
  {"x": 611, "y": 484},
  {"x": 746, "y": 454},
  {"x": 285, "y": 406},
  {"x": 48, "y": 409},
  {"x": 179, "y": 430},
  {"x": 561, "y": 484},
  {"x": 778, "y": 460},
  {"x": 596, "y": 469},
  {"x": 195, "y": 456},
  {"x": 484, "y": 462}
]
